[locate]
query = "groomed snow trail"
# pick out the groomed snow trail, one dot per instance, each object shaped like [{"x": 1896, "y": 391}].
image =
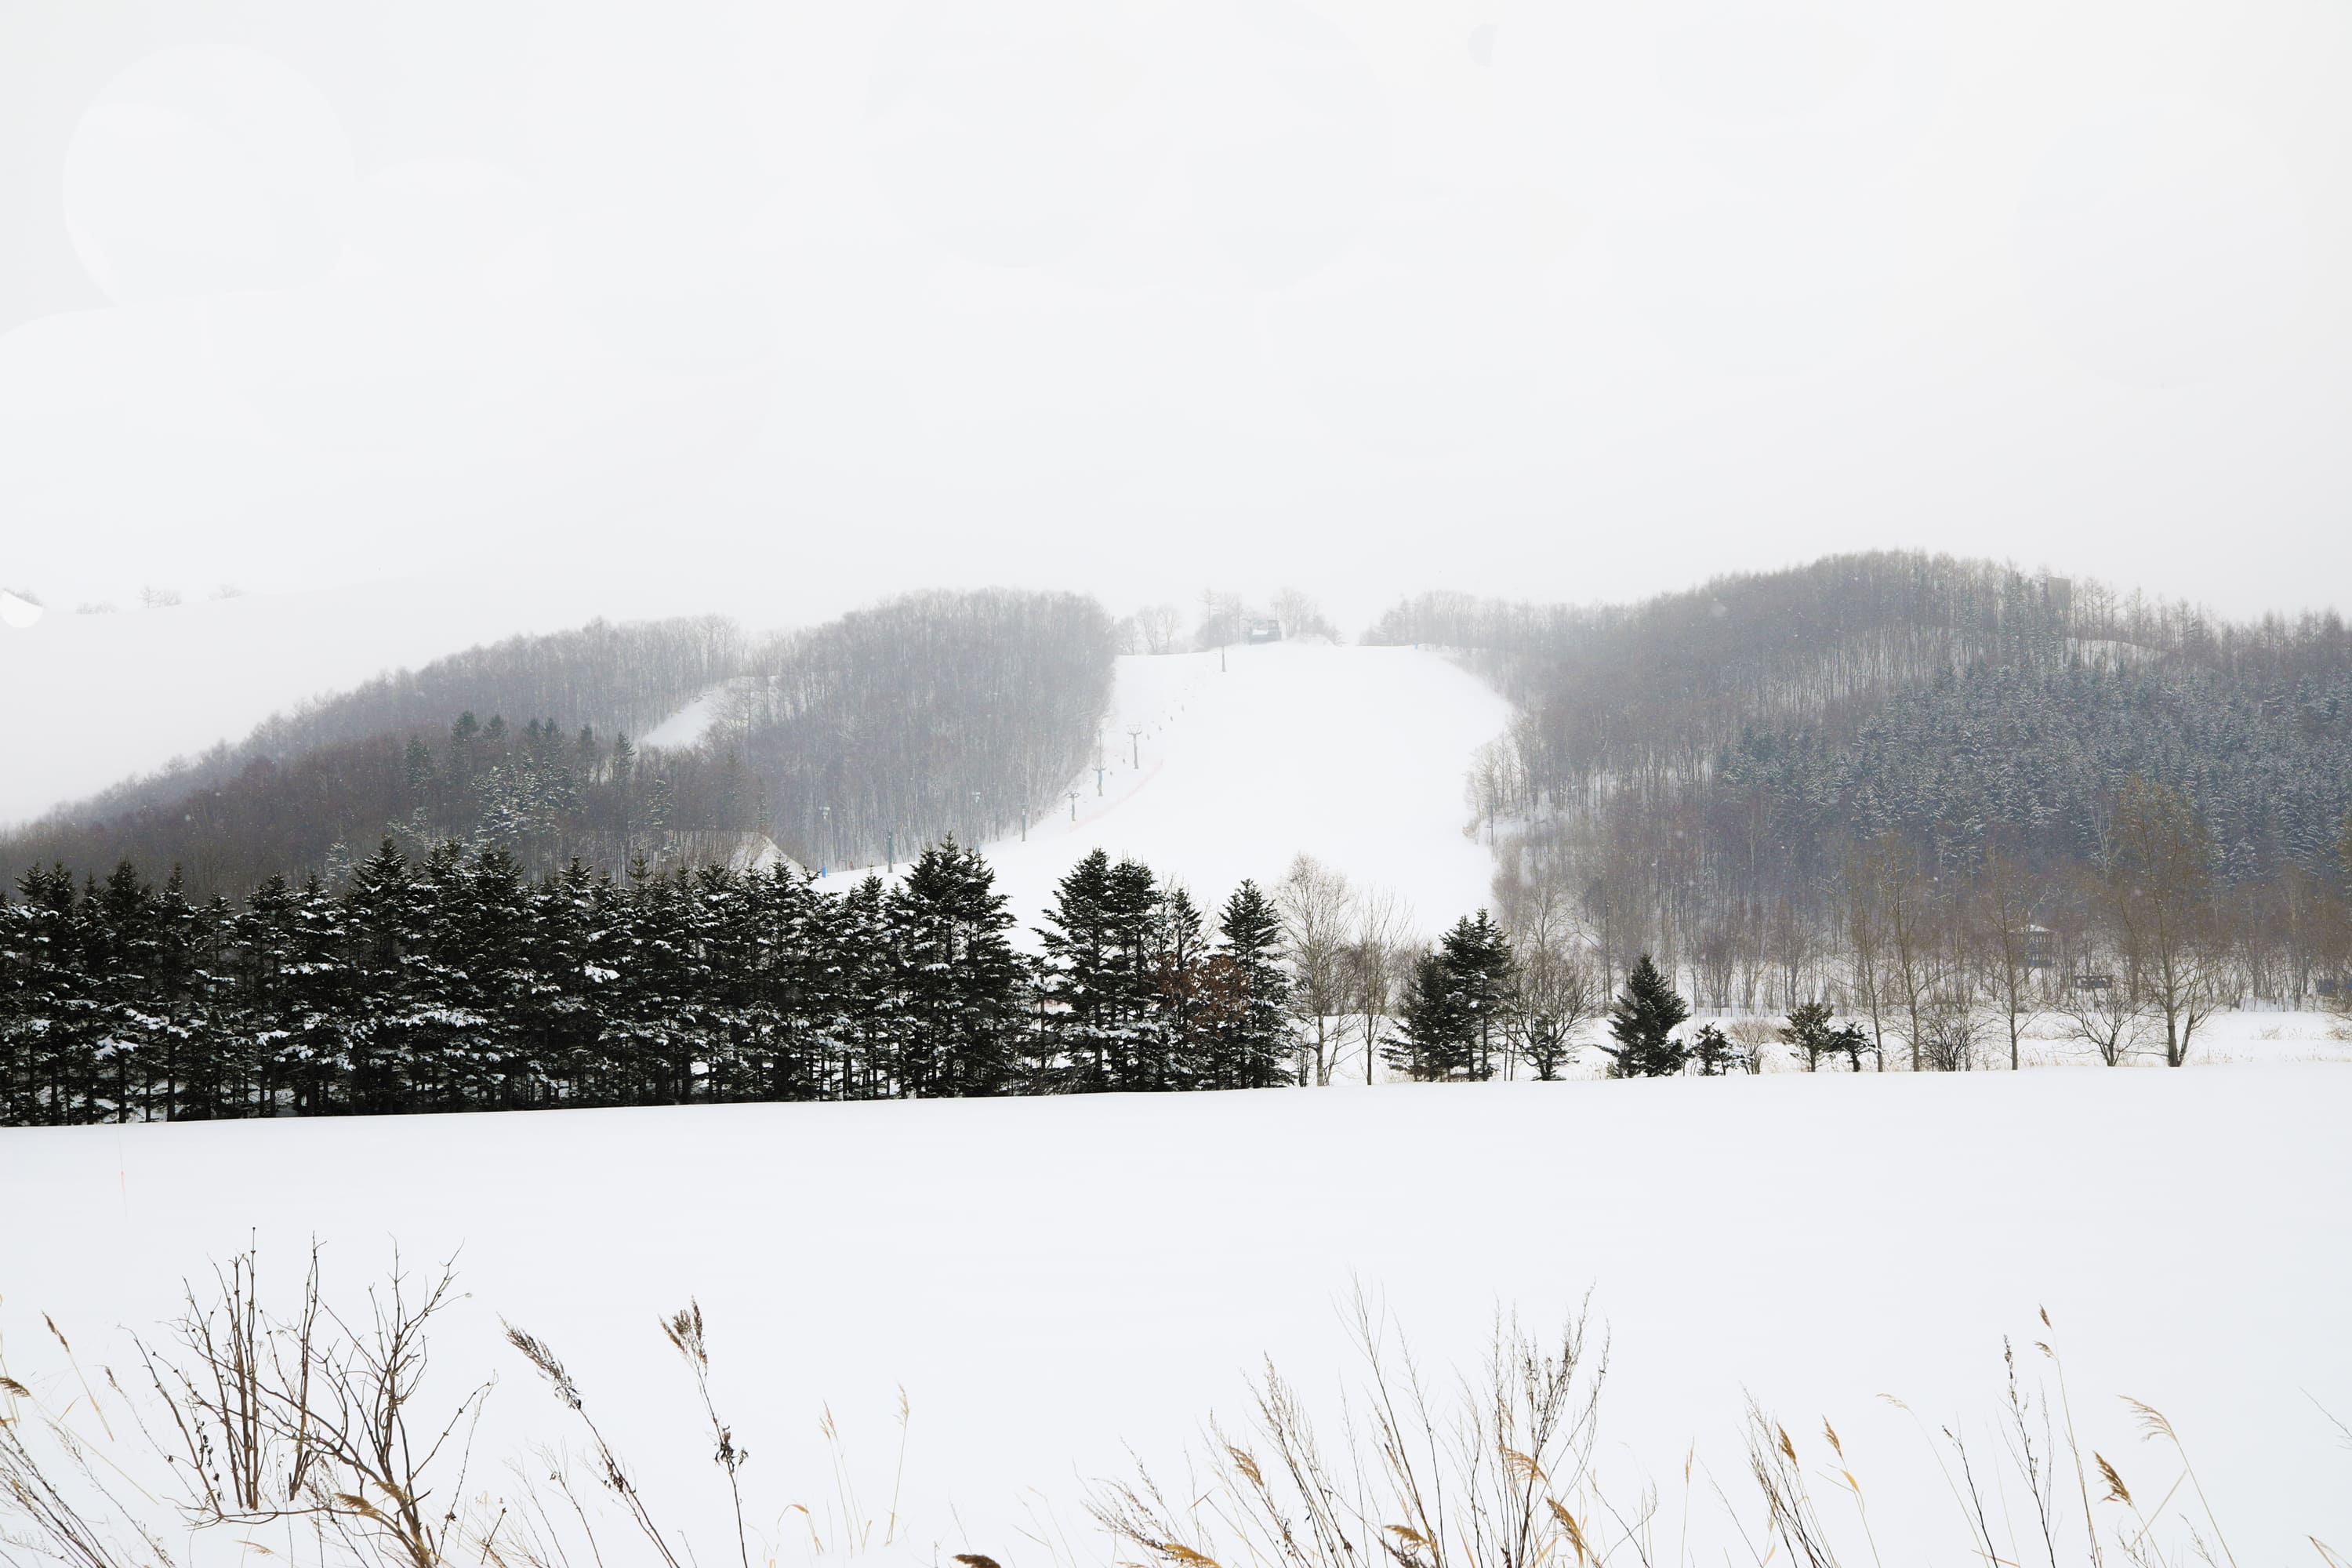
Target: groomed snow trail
[{"x": 1358, "y": 756}]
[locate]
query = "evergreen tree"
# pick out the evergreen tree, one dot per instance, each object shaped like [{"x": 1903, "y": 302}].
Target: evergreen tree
[
  {"x": 1808, "y": 1029},
  {"x": 1138, "y": 1038},
  {"x": 1714, "y": 1051},
  {"x": 859, "y": 997},
  {"x": 1432, "y": 1034},
  {"x": 317, "y": 1016},
  {"x": 1456, "y": 1003},
  {"x": 1642, "y": 1022},
  {"x": 182, "y": 994},
  {"x": 263, "y": 935},
  {"x": 1477, "y": 957},
  {"x": 1180, "y": 960},
  {"x": 959, "y": 977},
  {"x": 1250, "y": 1041},
  {"x": 376, "y": 913},
  {"x": 1078, "y": 981},
  {"x": 121, "y": 949}
]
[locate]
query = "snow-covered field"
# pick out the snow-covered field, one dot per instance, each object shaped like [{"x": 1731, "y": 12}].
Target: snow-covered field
[
  {"x": 1355, "y": 755},
  {"x": 1051, "y": 1278}
]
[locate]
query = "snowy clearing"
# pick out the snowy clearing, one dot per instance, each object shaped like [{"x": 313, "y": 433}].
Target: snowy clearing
[{"x": 1050, "y": 1279}]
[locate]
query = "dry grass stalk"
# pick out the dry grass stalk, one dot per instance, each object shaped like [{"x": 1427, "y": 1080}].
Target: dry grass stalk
[
  {"x": 1474, "y": 1479},
  {"x": 609, "y": 1467},
  {"x": 688, "y": 1337}
]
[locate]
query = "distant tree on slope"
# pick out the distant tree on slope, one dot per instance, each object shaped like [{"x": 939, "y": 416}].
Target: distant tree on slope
[{"x": 1642, "y": 1023}]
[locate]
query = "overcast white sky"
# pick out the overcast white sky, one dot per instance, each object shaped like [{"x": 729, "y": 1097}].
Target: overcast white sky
[{"x": 778, "y": 305}]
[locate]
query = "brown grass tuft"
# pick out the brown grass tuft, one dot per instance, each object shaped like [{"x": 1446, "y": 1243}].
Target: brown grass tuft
[{"x": 2116, "y": 1491}]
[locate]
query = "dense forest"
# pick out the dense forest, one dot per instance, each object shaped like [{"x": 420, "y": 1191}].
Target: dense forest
[
  {"x": 456, "y": 982},
  {"x": 1724, "y": 775},
  {"x": 930, "y": 714}
]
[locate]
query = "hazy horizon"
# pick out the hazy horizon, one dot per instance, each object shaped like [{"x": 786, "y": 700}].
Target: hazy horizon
[{"x": 1564, "y": 302}]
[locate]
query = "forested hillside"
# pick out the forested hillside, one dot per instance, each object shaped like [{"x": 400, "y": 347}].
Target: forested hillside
[
  {"x": 932, "y": 714},
  {"x": 928, "y": 715},
  {"x": 1702, "y": 773},
  {"x": 615, "y": 677}
]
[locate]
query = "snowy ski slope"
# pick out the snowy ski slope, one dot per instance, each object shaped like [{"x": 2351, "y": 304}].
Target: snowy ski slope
[{"x": 1356, "y": 755}]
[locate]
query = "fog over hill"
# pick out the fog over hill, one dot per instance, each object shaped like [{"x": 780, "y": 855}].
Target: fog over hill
[{"x": 893, "y": 718}]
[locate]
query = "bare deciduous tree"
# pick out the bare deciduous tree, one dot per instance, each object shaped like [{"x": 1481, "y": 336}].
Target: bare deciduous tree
[
  {"x": 2159, "y": 891},
  {"x": 1317, "y": 909},
  {"x": 2011, "y": 944},
  {"x": 1376, "y": 955},
  {"x": 1161, "y": 625},
  {"x": 1301, "y": 616},
  {"x": 2106, "y": 1013},
  {"x": 1558, "y": 989}
]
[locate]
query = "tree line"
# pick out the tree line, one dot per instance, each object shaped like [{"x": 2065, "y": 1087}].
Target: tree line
[{"x": 455, "y": 982}]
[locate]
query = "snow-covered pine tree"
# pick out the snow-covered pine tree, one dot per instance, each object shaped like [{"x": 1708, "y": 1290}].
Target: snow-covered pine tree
[
  {"x": 1139, "y": 1042},
  {"x": 863, "y": 993},
  {"x": 1431, "y": 1039},
  {"x": 376, "y": 916},
  {"x": 263, "y": 942},
  {"x": 1076, "y": 979},
  {"x": 1179, "y": 959},
  {"x": 1250, "y": 1038},
  {"x": 121, "y": 953},
  {"x": 959, "y": 977},
  {"x": 1478, "y": 954},
  {"x": 314, "y": 1055}
]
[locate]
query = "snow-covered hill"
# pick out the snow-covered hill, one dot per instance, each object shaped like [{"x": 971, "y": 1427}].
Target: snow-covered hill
[
  {"x": 1220, "y": 767},
  {"x": 86, "y": 701},
  {"x": 1051, "y": 1279},
  {"x": 89, "y": 701}
]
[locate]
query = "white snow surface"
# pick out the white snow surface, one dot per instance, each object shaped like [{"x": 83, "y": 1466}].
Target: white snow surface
[
  {"x": 689, "y": 723},
  {"x": 1051, "y": 1278},
  {"x": 1358, "y": 756}
]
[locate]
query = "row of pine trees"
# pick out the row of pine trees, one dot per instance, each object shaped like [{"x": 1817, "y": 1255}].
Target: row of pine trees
[{"x": 455, "y": 982}]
